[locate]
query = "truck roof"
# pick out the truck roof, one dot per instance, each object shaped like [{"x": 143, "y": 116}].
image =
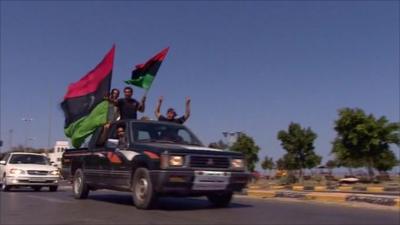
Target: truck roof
[{"x": 150, "y": 122}]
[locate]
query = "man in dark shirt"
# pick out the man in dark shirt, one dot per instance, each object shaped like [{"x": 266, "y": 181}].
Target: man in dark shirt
[
  {"x": 128, "y": 106},
  {"x": 122, "y": 143},
  {"x": 171, "y": 114}
]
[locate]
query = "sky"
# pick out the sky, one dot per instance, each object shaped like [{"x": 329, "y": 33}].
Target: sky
[{"x": 249, "y": 66}]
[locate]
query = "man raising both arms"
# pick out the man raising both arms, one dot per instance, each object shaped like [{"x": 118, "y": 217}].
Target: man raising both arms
[
  {"x": 128, "y": 106},
  {"x": 171, "y": 114}
]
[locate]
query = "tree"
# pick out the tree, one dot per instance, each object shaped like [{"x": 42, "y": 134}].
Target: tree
[
  {"x": 342, "y": 160},
  {"x": 268, "y": 163},
  {"x": 363, "y": 140},
  {"x": 299, "y": 145},
  {"x": 386, "y": 161},
  {"x": 287, "y": 162},
  {"x": 331, "y": 164},
  {"x": 246, "y": 145}
]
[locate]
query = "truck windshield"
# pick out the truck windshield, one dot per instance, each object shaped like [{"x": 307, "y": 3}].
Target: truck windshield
[
  {"x": 28, "y": 159},
  {"x": 164, "y": 133}
]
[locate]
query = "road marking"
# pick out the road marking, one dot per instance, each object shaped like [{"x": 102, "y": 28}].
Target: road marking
[{"x": 49, "y": 199}]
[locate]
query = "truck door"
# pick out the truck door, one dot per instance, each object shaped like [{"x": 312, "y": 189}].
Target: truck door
[
  {"x": 118, "y": 156},
  {"x": 97, "y": 165}
]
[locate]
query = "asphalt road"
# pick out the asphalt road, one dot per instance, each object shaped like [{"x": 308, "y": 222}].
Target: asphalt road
[{"x": 108, "y": 207}]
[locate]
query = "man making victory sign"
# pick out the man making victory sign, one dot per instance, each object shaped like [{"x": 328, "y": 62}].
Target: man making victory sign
[{"x": 171, "y": 114}]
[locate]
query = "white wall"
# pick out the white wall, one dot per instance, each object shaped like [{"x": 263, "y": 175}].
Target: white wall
[{"x": 59, "y": 149}]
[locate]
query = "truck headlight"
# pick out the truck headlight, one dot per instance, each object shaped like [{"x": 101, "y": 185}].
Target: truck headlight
[
  {"x": 175, "y": 160},
  {"x": 16, "y": 171},
  {"x": 171, "y": 161},
  {"x": 237, "y": 164},
  {"x": 54, "y": 172}
]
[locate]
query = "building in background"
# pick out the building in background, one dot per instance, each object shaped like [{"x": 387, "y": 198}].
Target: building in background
[{"x": 56, "y": 155}]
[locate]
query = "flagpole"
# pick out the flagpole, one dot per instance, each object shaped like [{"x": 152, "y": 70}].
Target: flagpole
[{"x": 145, "y": 93}]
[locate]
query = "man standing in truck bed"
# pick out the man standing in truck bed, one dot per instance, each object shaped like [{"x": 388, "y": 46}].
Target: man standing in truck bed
[
  {"x": 171, "y": 114},
  {"x": 129, "y": 106}
]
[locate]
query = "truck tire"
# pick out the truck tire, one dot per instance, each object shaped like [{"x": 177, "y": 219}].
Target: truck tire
[
  {"x": 143, "y": 193},
  {"x": 4, "y": 186},
  {"x": 220, "y": 199},
  {"x": 79, "y": 185}
]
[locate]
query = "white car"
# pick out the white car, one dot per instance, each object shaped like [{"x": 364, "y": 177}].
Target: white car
[{"x": 28, "y": 169}]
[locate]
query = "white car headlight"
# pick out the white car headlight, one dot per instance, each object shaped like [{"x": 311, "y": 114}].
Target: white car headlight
[
  {"x": 16, "y": 171},
  {"x": 237, "y": 164},
  {"x": 175, "y": 160},
  {"x": 54, "y": 172}
]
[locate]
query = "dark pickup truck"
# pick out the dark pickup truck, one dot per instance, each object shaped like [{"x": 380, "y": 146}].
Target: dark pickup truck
[{"x": 152, "y": 159}]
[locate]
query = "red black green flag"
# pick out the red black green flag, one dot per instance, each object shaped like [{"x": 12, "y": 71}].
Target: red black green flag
[
  {"x": 84, "y": 106},
  {"x": 144, "y": 74}
]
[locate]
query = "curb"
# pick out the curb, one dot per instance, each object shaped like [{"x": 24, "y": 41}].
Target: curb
[
  {"x": 373, "y": 189},
  {"x": 328, "y": 197}
]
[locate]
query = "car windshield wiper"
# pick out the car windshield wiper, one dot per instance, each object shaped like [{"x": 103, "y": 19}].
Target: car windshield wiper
[{"x": 165, "y": 141}]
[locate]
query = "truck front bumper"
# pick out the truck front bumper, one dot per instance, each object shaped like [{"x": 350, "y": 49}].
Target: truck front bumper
[{"x": 198, "y": 182}]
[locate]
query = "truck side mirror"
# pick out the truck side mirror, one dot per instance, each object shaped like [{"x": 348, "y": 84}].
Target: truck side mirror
[
  {"x": 112, "y": 143},
  {"x": 2, "y": 162}
]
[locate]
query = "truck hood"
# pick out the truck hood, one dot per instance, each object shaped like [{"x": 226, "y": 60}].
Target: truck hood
[{"x": 180, "y": 148}]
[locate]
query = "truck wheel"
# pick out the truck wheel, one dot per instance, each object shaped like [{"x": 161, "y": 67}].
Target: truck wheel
[
  {"x": 36, "y": 188},
  {"x": 4, "y": 186},
  {"x": 53, "y": 188},
  {"x": 79, "y": 185},
  {"x": 220, "y": 199},
  {"x": 144, "y": 196}
]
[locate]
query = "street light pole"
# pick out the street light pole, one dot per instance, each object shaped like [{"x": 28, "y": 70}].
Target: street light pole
[
  {"x": 11, "y": 131},
  {"x": 28, "y": 121},
  {"x": 50, "y": 119},
  {"x": 31, "y": 139}
]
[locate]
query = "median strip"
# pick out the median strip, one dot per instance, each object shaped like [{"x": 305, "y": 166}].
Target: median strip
[{"x": 327, "y": 197}]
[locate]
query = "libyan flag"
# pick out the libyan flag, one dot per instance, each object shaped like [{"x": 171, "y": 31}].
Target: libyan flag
[
  {"x": 144, "y": 74},
  {"x": 84, "y": 106}
]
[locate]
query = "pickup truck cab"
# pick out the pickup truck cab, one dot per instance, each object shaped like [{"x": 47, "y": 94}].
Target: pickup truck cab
[{"x": 151, "y": 159}]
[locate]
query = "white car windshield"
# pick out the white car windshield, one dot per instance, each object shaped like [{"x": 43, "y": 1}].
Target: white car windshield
[{"x": 29, "y": 159}]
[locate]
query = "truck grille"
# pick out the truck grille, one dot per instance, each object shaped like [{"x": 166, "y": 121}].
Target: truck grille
[
  {"x": 209, "y": 162},
  {"x": 37, "y": 172}
]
